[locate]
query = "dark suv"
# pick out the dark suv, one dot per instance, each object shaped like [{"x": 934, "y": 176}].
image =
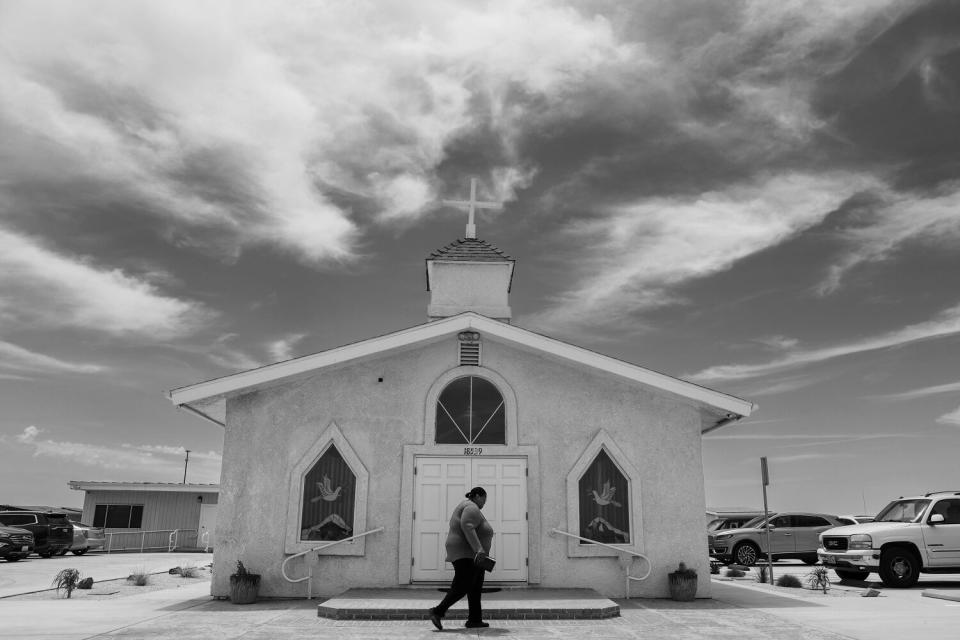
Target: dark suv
[
  {"x": 52, "y": 531},
  {"x": 15, "y": 544}
]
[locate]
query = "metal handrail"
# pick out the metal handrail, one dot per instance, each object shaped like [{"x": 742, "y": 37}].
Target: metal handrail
[
  {"x": 172, "y": 540},
  {"x": 309, "y": 576},
  {"x": 626, "y": 567}
]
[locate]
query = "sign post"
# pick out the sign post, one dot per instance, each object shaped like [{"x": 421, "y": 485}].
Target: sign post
[{"x": 765, "y": 477}]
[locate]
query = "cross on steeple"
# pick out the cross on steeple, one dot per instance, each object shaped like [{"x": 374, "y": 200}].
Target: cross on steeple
[{"x": 471, "y": 205}]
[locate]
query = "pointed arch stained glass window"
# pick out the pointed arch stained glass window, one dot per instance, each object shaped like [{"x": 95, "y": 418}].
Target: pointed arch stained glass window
[
  {"x": 470, "y": 411},
  {"x": 604, "y": 502},
  {"x": 328, "y": 498}
]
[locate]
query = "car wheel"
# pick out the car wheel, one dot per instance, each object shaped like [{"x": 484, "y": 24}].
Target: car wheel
[
  {"x": 62, "y": 552},
  {"x": 899, "y": 567},
  {"x": 45, "y": 554},
  {"x": 80, "y": 552},
  {"x": 850, "y": 574},
  {"x": 14, "y": 558},
  {"x": 746, "y": 553},
  {"x": 810, "y": 559}
]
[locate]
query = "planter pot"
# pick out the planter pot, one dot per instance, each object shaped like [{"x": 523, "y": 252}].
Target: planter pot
[
  {"x": 683, "y": 585},
  {"x": 244, "y": 589}
]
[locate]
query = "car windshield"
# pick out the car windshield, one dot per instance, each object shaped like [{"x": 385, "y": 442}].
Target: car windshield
[
  {"x": 902, "y": 511},
  {"x": 757, "y": 523},
  {"x": 715, "y": 524}
]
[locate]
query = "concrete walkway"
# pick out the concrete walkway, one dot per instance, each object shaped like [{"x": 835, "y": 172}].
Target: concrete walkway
[
  {"x": 739, "y": 610},
  {"x": 189, "y": 612}
]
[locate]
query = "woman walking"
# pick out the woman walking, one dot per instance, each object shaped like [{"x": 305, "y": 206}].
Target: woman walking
[{"x": 468, "y": 544}]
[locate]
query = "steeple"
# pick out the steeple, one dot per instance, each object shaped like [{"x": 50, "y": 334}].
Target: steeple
[{"x": 470, "y": 274}]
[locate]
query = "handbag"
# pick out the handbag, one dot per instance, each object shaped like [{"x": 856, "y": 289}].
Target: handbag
[{"x": 484, "y": 561}]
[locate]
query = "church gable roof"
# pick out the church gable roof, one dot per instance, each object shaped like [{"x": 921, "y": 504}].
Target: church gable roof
[
  {"x": 207, "y": 399},
  {"x": 470, "y": 250}
]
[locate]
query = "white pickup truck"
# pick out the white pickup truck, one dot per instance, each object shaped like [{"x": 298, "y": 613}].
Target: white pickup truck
[{"x": 908, "y": 537}]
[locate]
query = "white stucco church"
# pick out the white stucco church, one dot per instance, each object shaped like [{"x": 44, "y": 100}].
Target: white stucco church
[{"x": 389, "y": 433}]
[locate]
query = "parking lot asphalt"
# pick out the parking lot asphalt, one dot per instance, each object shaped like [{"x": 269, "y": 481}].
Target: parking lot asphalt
[
  {"x": 36, "y": 573},
  {"x": 893, "y": 614},
  {"x": 740, "y": 608}
]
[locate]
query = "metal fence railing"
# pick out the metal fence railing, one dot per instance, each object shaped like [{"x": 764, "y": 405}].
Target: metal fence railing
[{"x": 157, "y": 540}]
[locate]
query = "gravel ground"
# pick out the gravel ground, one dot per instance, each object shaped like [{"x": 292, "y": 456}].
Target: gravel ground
[{"x": 121, "y": 588}]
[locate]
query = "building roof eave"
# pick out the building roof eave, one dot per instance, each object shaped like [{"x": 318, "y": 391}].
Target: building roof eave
[
  {"x": 201, "y": 398},
  {"x": 85, "y": 485}
]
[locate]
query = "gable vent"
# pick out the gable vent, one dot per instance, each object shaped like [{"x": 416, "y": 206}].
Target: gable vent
[{"x": 469, "y": 353}]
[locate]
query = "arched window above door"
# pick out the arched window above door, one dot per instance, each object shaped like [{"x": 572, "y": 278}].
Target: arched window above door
[{"x": 470, "y": 410}]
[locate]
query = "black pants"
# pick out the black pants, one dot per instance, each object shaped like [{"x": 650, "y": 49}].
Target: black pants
[{"x": 467, "y": 581}]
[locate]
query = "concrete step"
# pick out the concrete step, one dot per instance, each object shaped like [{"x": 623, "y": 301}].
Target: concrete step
[{"x": 512, "y": 603}]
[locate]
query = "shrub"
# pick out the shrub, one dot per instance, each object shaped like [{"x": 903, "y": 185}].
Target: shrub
[
  {"x": 86, "y": 583},
  {"x": 819, "y": 578},
  {"x": 761, "y": 575},
  {"x": 140, "y": 577},
  {"x": 189, "y": 571},
  {"x": 67, "y": 580},
  {"x": 734, "y": 573},
  {"x": 789, "y": 580}
]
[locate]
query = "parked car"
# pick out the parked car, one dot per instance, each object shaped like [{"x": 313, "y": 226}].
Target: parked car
[
  {"x": 86, "y": 538},
  {"x": 15, "y": 543},
  {"x": 729, "y": 522},
  {"x": 793, "y": 535},
  {"x": 908, "y": 537},
  {"x": 860, "y": 519},
  {"x": 52, "y": 531}
]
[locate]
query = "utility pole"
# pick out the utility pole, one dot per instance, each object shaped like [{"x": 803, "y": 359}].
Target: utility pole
[
  {"x": 765, "y": 476},
  {"x": 185, "y": 462}
]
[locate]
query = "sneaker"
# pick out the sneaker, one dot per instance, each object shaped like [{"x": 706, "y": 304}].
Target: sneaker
[
  {"x": 478, "y": 624},
  {"x": 435, "y": 619}
]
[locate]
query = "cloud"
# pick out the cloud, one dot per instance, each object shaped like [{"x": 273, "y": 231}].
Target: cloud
[
  {"x": 950, "y": 418},
  {"x": 54, "y": 290},
  {"x": 779, "y": 343},
  {"x": 639, "y": 252},
  {"x": 945, "y": 323},
  {"x": 152, "y": 461},
  {"x": 282, "y": 348},
  {"x": 897, "y": 220},
  {"x": 783, "y": 385},
  {"x": 922, "y": 392},
  {"x": 243, "y": 124},
  {"x": 222, "y": 354},
  {"x": 17, "y": 358},
  {"x": 820, "y": 438},
  {"x": 807, "y": 457}
]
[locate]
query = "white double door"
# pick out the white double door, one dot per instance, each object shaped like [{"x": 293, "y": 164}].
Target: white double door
[{"x": 440, "y": 485}]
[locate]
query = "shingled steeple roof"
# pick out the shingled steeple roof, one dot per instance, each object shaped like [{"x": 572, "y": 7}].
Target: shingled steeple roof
[{"x": 470, "y": 250}]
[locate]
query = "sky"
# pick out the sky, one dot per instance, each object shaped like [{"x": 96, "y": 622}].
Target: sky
[{"x": 760, "y": 197}]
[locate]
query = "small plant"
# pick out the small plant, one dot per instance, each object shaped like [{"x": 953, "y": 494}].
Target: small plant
[
  {"x": 789, "y": 580},
  {"x": 819, "y": 578},
  {"x": 715, "y": 567},
  {"x": 734, "y": 573},
  {"x": 244, "y": 585},
  {"x": 189, "y": 571},
  {"x": 140, "y": 577},
  {"x": 762, "y": 574},
  {"x": 683, "y": 583},
  {"x": 67, "y": 580}
]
